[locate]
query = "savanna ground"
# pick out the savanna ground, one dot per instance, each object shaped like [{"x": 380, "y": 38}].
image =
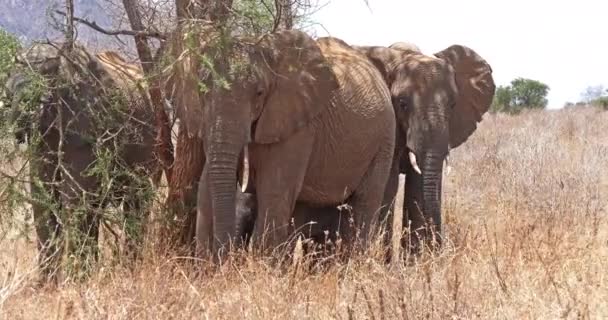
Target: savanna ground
[{"x": 526, "y": 213}]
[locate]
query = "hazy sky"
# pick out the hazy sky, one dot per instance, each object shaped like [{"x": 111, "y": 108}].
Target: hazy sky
[{"x": 561, "y": 43}]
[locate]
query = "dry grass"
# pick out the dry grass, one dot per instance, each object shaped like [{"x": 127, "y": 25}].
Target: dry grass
[{"x": 526, "y": 214}]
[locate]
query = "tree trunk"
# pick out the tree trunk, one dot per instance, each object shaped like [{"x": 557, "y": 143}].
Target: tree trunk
[
  {"x": 69, "y": 33},
  {"x": 189, "y": 164},
  {"x": 164, "y": 146},
  {"x": 285, "y": 14}
]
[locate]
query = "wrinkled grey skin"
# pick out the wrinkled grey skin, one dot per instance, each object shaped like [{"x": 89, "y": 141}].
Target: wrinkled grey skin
[
  {"x": 438, "y": 101},
  {"x": 79, "y": 85}
]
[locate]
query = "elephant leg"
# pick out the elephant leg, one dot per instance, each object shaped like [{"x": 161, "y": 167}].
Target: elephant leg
[
  {"x": 280, "y": 170},
  {"x": 246, "y": 212},
  {"x": 81, "y": 198},
  {"x": 48, "y": 228},
  {"x": 88, "y": 227},
  {"x": 134, "y": 224},
  {"x": 387, "y": 212},
  {"x": 366, "y": 200},
  {"x": 135, "y": 210}
]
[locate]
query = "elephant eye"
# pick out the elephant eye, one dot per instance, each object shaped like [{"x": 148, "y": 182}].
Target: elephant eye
[
  {"x": 401, "y": 103},
  {"x": 259, "y": 91}
]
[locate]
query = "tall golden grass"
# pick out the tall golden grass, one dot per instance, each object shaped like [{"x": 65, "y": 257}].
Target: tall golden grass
[{"x": 525, "y": 211}]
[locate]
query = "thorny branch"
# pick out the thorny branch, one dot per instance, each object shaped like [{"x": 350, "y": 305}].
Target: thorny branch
[{"x": 121, "y": 32}]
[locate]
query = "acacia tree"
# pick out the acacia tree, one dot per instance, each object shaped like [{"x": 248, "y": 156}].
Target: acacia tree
[{"x": 520, "y": 94}]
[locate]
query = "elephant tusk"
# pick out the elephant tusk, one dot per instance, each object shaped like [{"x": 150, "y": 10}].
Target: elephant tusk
[
  {"x": 448, "y": 168},
  {"x": 412, "y": 157}
]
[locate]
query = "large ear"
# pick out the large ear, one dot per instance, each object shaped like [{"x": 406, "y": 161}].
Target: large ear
[
  {"x": 473, "y": 77},
  {"x": 302, "y": 84},
  {"x": 405, "y": 46}
]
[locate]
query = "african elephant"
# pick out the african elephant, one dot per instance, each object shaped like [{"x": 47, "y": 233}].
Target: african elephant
[
  {"x": 438, "y": 101},
  {"x": 92, "y": 136},
  {"x": 318, "y": 124}
]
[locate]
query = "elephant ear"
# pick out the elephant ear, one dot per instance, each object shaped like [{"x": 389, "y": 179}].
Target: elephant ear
[
  {"x": 405, "y": 46},
  {"x": 302, "y": 85},
  {"x": 473, "y": 77}
]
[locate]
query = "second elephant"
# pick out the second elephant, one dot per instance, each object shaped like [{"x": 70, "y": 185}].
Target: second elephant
[
  {"x": 92, "y": 136},
  {"x": 438, "y": 101}
]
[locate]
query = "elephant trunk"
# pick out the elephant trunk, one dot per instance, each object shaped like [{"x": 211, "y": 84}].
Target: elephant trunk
[
  {"x": 431, "y": 194},
  {"x": 225, "y": 145}
]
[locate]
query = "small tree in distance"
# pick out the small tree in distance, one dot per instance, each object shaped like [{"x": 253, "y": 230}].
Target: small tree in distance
[
  {"x": 522, "y": 93},
  {"x": 592, "y": 93},
  {"x": 596, "y": 96}
]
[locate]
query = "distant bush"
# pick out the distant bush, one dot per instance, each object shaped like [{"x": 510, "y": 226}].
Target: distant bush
[
  {"x": 520, "y": 94},
  {"x": 601, "y": 102},
  {"x": 593, "y": 96},
  {"x": 596, "y": 96}
]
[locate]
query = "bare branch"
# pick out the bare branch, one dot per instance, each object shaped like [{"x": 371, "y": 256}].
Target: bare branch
[
  {"x": 164, "y": 146},
  {"x": 93, "y": 25},
  {"x": 69, "y": 34},
  {"x": 285, "y": 13}
]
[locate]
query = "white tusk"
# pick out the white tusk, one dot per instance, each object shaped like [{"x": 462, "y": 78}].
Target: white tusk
[
  {"x": 413, "y": 162},
  {"x": 448, "y": 168}
]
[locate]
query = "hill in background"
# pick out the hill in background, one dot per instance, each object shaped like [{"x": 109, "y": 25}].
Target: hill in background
[{"x": 31, "y": 20}]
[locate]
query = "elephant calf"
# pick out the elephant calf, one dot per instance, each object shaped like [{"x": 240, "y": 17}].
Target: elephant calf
[
  {"x": 92, "y": 138},
  {"x": 318, "y": 224}
]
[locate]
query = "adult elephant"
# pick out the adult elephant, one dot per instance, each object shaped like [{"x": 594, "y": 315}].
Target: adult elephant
[
  {"x": 438, "y": 101},
  {"x": 319, "y": 127},
  {"x": 92, "y": 136}
]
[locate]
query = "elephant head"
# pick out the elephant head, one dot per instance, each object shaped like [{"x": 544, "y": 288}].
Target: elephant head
[
  {"x": 438, "y": 101},
  {"x": 31, "y": 65},
  {"x": 257, "y": 91}
]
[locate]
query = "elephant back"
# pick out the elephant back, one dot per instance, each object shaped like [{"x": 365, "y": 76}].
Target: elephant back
[
  {"x": 120, "y": 70},
  {"x": 344, "y": 59},
  {"x": 354, "y": 71},
  {"x": 124, "y": 76},
  {"x": 129, "y": 80}
]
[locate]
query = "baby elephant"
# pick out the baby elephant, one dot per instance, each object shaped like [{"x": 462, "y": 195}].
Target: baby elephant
[{"x": 320, "y": 225}]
